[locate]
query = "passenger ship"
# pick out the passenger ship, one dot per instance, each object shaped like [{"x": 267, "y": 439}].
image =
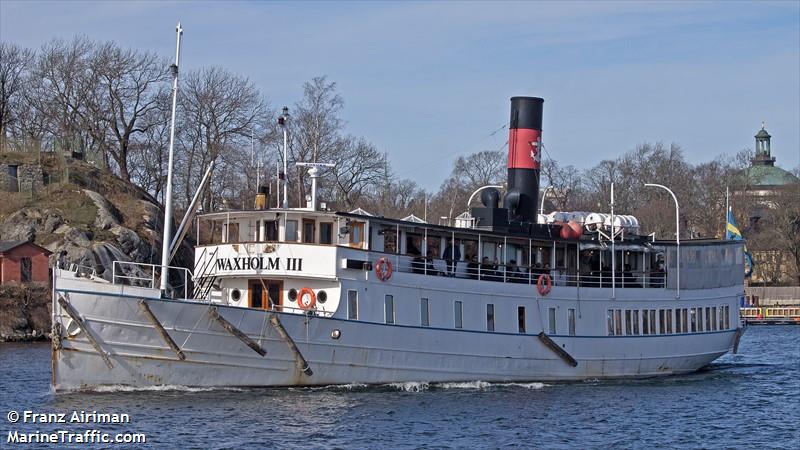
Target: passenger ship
[{"x": 305, "y": 296}]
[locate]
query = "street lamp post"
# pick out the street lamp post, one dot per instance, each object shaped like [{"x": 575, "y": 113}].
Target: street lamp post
[
  {"x": 283, "y": 122},
  {"x": 677, "y": 234}
]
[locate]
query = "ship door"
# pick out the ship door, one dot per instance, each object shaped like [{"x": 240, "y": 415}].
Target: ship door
[{"x": 269, "y": 298}]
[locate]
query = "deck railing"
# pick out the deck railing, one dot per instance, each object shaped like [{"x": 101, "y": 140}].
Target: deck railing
[{"x": 146, "y": 275}]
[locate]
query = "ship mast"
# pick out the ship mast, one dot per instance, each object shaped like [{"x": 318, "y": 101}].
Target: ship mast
[{"x": 168, "y": 194}]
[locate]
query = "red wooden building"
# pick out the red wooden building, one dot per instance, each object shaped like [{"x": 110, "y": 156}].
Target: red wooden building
[{"x": 23, "y": 262}]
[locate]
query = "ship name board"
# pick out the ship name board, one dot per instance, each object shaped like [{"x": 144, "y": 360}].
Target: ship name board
[{"x": 260, "y": 263}]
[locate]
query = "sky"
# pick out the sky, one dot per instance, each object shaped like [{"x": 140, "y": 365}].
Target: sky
[{"x": 427, "y": 82}]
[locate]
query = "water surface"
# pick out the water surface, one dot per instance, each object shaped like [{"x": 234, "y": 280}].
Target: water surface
[{"x": 749, "y": 400}]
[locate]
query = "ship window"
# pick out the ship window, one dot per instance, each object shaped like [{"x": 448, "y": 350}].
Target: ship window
[
  {"x": 291, "y": 230},
  {"x": 628, "y": 327},
  {"x": 356, "y": 233},
  {"x": 678, "y": 328},
  {"x": 708, "y": 319},
  {"x": 424, "y": 312},
  {"x": 727, "y": 317},
  {"x": 693, "y": 314},
  {"x": 308, "y": 231},
  {"x": 721, "y": 318},
  {"x": 713, "y": 318},
  {"x": 458, "y": 311},
  {"x": 653, "y": 321},
  {"x": 388, "y": 303},
  {"x": 552, "y": 319},
  {"x": 618, "y": 322},
  {"x": 685, "y": 319},
  {"x": 662, "y": 321},
  {"x": 636, "y": 322},
  {"x": 645, "y": 322},
  {"x": 490, "y": 317},
  {"x": 571, "y": 316},
  {"x": 669, "y": 321},
  {"x": 325, "y": 233},
  {"x": 352, "y": 305},
  {"x": 610, "y": 320},
  {"x": 521, "y": 318}
]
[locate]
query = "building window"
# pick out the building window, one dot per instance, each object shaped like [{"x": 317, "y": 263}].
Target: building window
[
  {"x": 458, "y": 311},
  {"x": 424, "y": 312},
  {"x": 645, "y": 322},
  {"x": 352, "y": 305},
  {"x": 610, "y": 320},
  {"x": 521, "y": 319},
  {"x": 490, "y": 317},
  {"x": 636, "y": 322},
  {"x": 25, "y": 270},
  {"x": 291, "y": 231},
  {"x": 628, "y": 325},
  {"x": 388, "y": 303},
  {"x": 551, "y": 312},
  {"x": 571, "y": 317},
  {"x": 325, "y": 233}
]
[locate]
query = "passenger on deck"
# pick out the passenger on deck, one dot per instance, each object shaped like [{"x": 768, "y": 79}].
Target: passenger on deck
[
  {"x": 513, "y": 273},
  {"x": 418, "y": 264},
  {"x": 452, "y": 254},
  {"x": 472, "y": 267}
]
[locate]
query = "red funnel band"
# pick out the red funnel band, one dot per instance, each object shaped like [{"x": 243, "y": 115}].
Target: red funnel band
[{"x": 523, "y": 148}]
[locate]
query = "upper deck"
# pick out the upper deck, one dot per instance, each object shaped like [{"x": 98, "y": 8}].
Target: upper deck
[{"x": 318, "y": 244}]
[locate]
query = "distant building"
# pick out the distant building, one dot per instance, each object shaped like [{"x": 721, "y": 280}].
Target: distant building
[
  {"x": 766, "y": 182},
  {"x": 763, "y": 176},
  {"x": 23, "y": 262}
]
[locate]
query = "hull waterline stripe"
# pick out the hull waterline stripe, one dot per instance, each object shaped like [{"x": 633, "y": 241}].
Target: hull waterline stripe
[{"x": 461, "y": 330}]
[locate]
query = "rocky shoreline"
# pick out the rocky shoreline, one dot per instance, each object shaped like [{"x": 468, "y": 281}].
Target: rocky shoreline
[{"x": 25, "y": 312}]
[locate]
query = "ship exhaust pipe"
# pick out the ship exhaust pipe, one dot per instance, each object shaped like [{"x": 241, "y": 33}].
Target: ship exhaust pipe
[{"x": 524, "y": 159}]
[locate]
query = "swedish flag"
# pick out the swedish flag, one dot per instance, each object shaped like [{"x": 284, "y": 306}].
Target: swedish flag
[{"x": 732, "y": 233}]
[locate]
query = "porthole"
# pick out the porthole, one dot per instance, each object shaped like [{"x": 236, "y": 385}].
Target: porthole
[
  {"x": 322, "y": 296},
  {"x": 236, "y": 295},
  {"x": 336, "y": 334},
  {"x": 292, "y": 294}
]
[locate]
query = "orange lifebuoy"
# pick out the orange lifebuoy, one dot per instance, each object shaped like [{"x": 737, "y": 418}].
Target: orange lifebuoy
[
  {"x": 383, "y": 269},
  {"x": 301, "y": 299},
  {"x": 544, "y": 284}
]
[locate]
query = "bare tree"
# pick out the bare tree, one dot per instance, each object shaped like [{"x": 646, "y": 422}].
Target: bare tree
[
  {"x": 126, "y": 90},
  {"x": 15, "y": 62},
  {"x": 221, "y": 113}
]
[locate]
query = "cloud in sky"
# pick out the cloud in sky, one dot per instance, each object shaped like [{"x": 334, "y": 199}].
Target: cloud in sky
[{"x": 428, "y": 81}]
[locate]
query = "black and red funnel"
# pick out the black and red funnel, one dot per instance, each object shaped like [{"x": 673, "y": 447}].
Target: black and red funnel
[{"x": 524, "y": 158}]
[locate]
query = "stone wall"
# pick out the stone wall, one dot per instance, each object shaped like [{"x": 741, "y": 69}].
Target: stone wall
[{"x": 29, "y": 178}]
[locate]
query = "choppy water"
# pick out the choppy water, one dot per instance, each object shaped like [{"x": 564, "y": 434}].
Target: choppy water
[{"x": 749, "y": 400}]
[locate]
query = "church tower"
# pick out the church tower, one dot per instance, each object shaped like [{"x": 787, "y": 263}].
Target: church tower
[{"x": 763, "y": 153}]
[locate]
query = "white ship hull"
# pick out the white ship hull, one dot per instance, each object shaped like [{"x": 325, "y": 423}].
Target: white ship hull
[{"x": 366, "y": 352}]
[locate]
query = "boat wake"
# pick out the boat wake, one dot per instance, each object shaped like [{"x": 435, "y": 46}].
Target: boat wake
[{"x": 160, "y": 388}]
